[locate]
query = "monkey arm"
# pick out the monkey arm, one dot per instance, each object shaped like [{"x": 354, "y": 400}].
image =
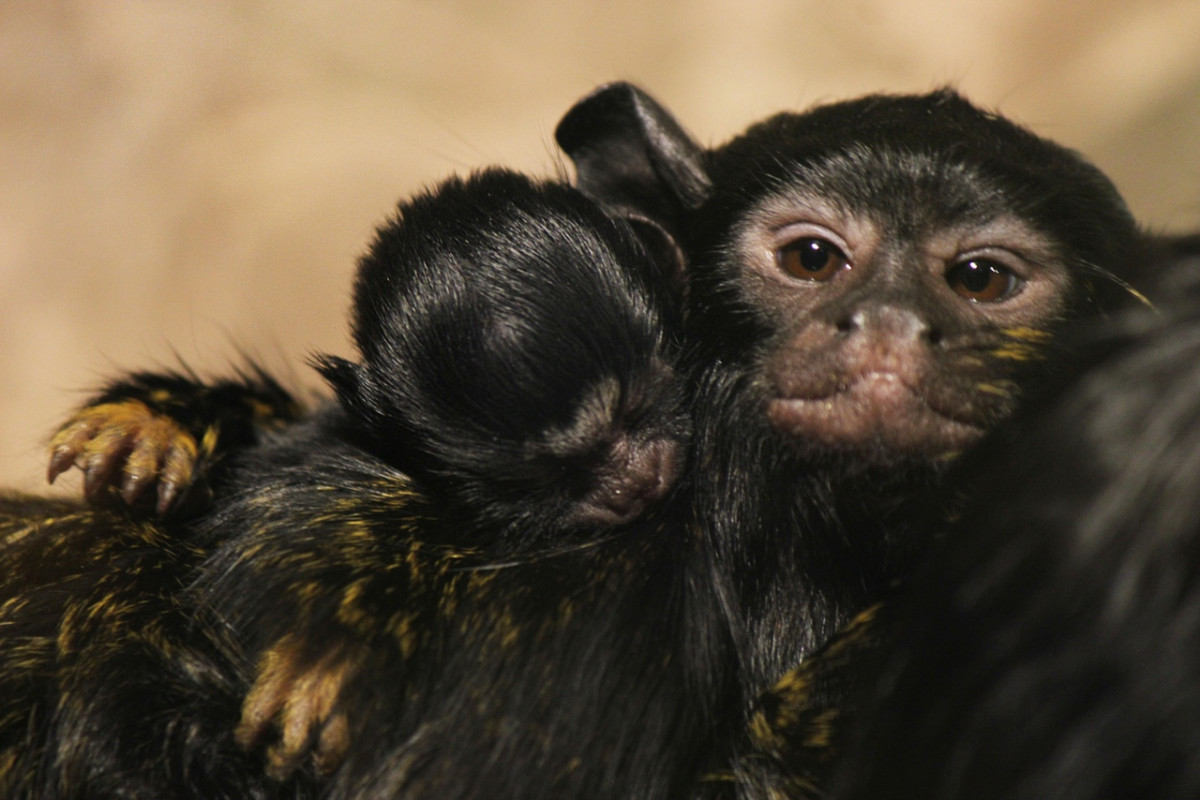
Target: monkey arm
[{"x": 167, "y": 431}]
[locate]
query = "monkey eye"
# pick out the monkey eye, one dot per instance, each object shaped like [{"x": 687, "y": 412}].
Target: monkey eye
[
  {"x": 812, "y": 259},
  {"x": 982, "y": 281}
]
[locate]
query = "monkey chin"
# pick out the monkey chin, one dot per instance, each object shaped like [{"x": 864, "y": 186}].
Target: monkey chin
[{"x": 877, "y": 416}]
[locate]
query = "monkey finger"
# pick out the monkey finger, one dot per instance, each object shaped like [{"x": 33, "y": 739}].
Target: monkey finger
[
  {"x": 296, "y": 726},
  {"x": 168, "y": 494},
  {"x": 332, "y": 745},
  {"x": 179, "y": 461},
  {"x": 69, "y": 442},
  {"x": 104, "y": 457},
  {"x": 62, "y": 458},
  {"x": 141, "y": 467},
  {"x": 134, "y": 485},
  {"x": 177, "y": 470},
  {"x": 277, "y": 673}
]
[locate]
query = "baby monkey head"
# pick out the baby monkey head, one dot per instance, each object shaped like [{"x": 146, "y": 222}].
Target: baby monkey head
[
  {"x": 516, "y": 354},
  {"x": 883, "y": 278}
]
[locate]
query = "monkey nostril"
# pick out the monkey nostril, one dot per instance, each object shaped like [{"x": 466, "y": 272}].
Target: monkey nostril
[
  {"x": 850, "y": 322},
  {"x": 933, "y": 336}
]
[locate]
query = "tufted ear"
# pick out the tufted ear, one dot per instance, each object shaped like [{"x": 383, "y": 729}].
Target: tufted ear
[{"x": 631, "y": 154}]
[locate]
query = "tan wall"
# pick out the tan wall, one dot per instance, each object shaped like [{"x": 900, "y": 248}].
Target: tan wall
[{"x": 192, "y": 178}]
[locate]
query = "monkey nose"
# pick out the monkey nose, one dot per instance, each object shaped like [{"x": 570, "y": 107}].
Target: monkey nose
[
  {"x": 637, "y": 474},
  {"x": 890, "y": 322}
]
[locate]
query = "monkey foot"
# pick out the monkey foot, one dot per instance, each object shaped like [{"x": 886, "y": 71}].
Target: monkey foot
[
  {"x": 127, "y": 447},
  {"x": 298, "y": 699}
]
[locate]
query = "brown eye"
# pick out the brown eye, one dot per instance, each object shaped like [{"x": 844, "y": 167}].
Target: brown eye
[
  {"x": 982, "y": 281},
  {"x": 812, "y": 259}
]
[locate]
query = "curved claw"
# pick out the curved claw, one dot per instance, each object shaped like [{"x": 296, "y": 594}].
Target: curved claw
[
  {"x": 62, "y": 458},
  {"x": 168, "y": 493},
  {"x": 68, "y": 444},
  {"x": 98, "y": 472}
]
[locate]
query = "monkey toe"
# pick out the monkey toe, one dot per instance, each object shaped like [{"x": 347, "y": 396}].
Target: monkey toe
[
  {"x": 332, "y": 745},
  {"x": 103, "y": 457},
  {"x": 62, "y": 458},
  {"x": 141, "y": 467},
  {"x": 178, "y": 458}
]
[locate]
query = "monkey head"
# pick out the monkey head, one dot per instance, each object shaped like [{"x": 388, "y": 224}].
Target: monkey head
[
  {"x": 515, "y": 353},
  {"x": 879, "y": 278}
]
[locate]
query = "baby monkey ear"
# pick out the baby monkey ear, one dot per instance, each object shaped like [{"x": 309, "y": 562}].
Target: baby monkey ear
[
  {"x": 630, "y": 153},
  {"x": 666, "y": 253},
  {"x": 351, "y": 383}
]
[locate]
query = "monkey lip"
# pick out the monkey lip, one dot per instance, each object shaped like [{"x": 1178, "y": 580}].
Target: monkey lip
[{"x": 876, "y": 408}]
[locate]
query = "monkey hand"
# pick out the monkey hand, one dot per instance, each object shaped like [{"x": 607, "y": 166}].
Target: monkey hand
[
  {"x": 168, "y": 431},
  {"x": 126, "y": 448},
  {"x": 298, "y": 698}
]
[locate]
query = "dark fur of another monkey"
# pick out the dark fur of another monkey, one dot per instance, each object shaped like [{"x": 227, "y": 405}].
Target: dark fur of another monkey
[
  {"x": 1052, "y": 649},
  {"x": 112, "y": 684}
]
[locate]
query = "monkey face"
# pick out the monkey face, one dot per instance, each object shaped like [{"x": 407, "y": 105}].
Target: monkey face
[
  {"x": 891, "y": 338},
  {"x": 617, "y": 454},
  {"x": 891, "y": 273}
]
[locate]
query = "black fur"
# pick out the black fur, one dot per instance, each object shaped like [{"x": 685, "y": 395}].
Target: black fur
[
  {"x": 1051, "y": 650},
  {"x": 424, "y": 570},
  {"x": 443, "y": 568},
  {"x": 112, "y": 685}
]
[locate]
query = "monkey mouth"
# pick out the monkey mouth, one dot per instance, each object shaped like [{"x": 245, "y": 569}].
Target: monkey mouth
[{"x": 878, "y": 410}]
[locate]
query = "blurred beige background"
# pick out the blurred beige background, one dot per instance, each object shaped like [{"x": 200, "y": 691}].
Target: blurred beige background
[{"x": 192, "y": 179}]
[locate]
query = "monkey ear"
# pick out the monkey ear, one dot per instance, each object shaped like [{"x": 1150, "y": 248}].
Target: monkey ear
[
  {"x": 349, "y": 381},
  {"x": 629, "y": 152},
  {"x": 664, "y": 249}
]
